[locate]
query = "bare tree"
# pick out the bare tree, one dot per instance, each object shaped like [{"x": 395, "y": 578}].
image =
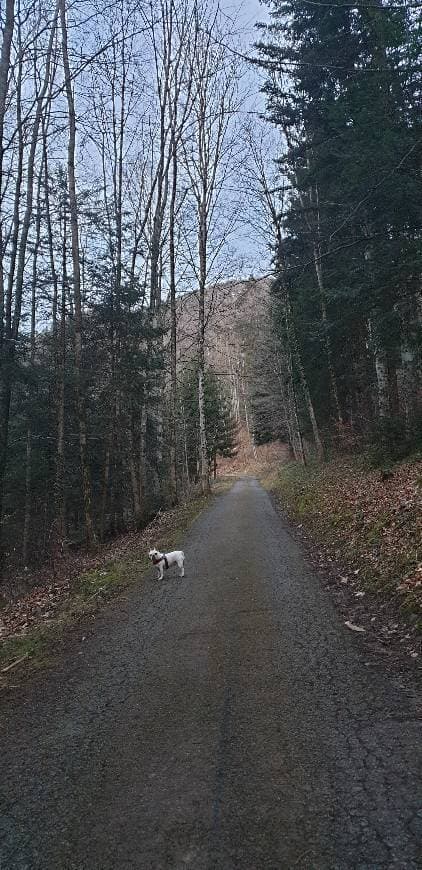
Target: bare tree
[
  {"x": 76, "y": 265},
  {"x": 207, "y": 156},
  {"x": 12, "y": 296}
]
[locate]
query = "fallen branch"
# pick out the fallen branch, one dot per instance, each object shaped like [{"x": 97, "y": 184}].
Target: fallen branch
[{"x": 13, "y": 664}]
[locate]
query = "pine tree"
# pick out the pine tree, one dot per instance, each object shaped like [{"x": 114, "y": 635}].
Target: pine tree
[
  {"x": 342, "y": 86},
  {"x": 221, "y": 427}
]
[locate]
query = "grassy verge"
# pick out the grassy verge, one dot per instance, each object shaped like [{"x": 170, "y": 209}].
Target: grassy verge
[
  {"x": 369, "y": 524},
  {"x": 34, "y": 643}
]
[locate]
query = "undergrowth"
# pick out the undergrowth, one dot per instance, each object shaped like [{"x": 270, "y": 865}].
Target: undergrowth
[
  {"x": 367, "y": 521},
  {"x": 33, "y": 626}
]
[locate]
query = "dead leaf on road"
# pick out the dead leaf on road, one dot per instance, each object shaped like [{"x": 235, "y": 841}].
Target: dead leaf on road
[{"x": 354, "y": 627}]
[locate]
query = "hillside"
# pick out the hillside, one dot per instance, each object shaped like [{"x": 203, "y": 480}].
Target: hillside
[{"x": 231, "y": 308}]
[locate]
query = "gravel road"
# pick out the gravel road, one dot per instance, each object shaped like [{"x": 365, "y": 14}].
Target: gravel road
[{"x": 228, "y": 720}]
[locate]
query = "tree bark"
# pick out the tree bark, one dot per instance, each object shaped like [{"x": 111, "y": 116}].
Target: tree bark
[
  {"x": 74, "y": 226},
  {"x": 5, "y": 388},
  {"x": 203, "y": 450},
  {"x": 173, "y": 332},
  {"x": 381, "y": 371},
  {"x": 60, "y": 492},
  {"x": 13, "y": 323},
  {"x": 134, "y": 476},
  {"x": 28, "y": 469},
  {"x": 324, "y": 317},
  {"x": 294, "y": 345}
]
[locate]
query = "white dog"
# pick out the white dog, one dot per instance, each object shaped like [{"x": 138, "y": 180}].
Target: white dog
[{"x": 167, "y": 560}]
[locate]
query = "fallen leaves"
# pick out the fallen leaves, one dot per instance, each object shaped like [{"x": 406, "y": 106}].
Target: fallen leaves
[
  {"x": 370, "y": 531},
  {"x": 53, "y": 588}
]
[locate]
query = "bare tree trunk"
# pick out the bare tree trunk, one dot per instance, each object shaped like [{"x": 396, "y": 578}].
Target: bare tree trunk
[
  {"x": 203, "y": 450},
  {"x": 142, "y": 455},
  {"x": 74, "y": 225},
  {"x": 5, "y": 349},
  {"x": 163, "y": 67},
  {"x": 59, "y": 349},
  {"x": 30, "y": 181},
  {"x": 53, "y": 269},
  {"x": 134, "y": 475},
  {"x": 18, "y": 192},
  {"x": 105, "y": 492},
  {"x": 294, "y": 346},
  {"x": 410, "y": 385},
  {"x": 327, "y": 337},
  {"x": 173, "y": 331},
  {"x": 248, "y": 429},
  {"x": 185, "y": 446},
  {"x": 234, "y": 384},
  {"x": 28, "y": 470},
  {"x": 286, "y": 403},
  {"x": 324, "y": 317},
  {"x": 297, "y": 439},
  {"x": 4, "y": 71},
  {"x": 60, "y": 496},
  {"x": 315, "y": 233},
  {"x": 381, "y": 371},
  {"x": 114, "y": 450},
  {"x": 310, "y": 408},
  {"x": 12, "y": 325},
  {"x": 214, "y": 86},
  {"x": 393, "y": 388}
]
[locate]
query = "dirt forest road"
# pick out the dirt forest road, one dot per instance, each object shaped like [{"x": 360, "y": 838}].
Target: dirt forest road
[{"x": 225, "y": 721}]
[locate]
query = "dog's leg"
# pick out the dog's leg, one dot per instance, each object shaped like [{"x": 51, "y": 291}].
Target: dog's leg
[{"x": 182, "y": 567}]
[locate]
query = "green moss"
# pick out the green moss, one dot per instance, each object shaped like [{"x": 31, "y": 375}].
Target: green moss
[
  {"x": 102, "y": 580},
  {"x": 373, "y": 532},
  {"x": 28, "y": 646}
]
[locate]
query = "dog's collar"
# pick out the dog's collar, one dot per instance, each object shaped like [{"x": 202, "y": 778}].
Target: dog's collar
[{"x": 156, "y": 561}]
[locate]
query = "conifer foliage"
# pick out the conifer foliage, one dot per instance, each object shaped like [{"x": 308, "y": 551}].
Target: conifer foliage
[
  {"x": 221, "y": 425},
  {"x": 343, "y": 88}
]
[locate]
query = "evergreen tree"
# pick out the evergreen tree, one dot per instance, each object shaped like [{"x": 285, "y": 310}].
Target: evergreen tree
[
  {"x": 221, "y": 427},
  {"x": 343, "y": 87}
]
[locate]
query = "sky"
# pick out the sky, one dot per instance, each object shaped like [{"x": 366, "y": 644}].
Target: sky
[
  {"x": 247, "y": 12},
  {"x": 254, "y": 256}
]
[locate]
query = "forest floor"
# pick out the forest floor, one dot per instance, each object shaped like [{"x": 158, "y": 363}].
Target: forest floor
[
  {"x": 36, "y": 608},
  {"x": 364, "y": 532}
]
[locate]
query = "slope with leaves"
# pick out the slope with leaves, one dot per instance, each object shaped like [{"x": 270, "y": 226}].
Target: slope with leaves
[{"x": 370, "y": 528}]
